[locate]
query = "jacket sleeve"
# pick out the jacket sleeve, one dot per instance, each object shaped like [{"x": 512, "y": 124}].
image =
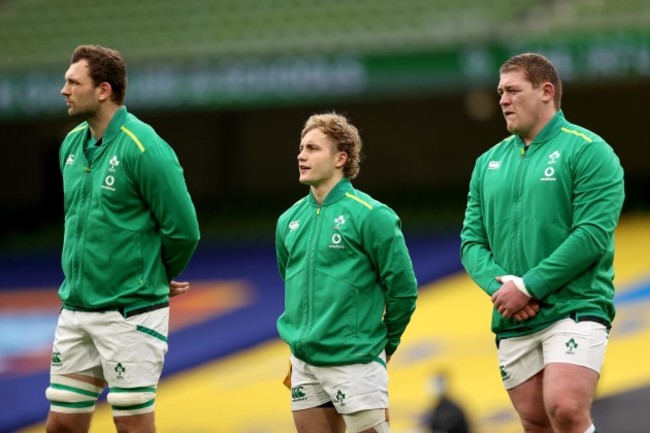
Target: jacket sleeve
[
  {"x": 281, "y": 252},
  {"x": 476, "y": 254},
  {"x": 162, "y": 185},
  {"x": 598, "y": 195},
  {"x": 387, "y": 249}
]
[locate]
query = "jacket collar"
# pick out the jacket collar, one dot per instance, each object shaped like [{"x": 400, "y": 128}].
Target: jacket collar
[
  {"x": 114, "y": 127},
  {"x": 337, "y": 193},
  {"x": 550, "y": 130}
]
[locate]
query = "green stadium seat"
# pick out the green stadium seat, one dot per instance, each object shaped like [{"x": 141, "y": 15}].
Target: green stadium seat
[{"x": 40, "y": 34}]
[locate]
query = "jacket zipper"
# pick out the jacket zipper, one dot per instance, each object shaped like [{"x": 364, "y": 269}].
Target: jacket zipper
[
  {"x": 84, "y": 206},
  {"x": 516, "y": 240},
  {"x": 311, "y": 257}
]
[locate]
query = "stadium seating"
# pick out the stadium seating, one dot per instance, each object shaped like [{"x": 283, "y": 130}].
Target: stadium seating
[{"x": 38, "y": 34}]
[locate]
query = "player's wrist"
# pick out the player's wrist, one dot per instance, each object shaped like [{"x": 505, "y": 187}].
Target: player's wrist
[{"x": 519, "y": 283}]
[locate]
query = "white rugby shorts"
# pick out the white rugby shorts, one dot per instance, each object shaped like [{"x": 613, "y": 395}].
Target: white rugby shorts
[
  {"x": 351, "y": 388},
  {"x": 579, "y": 343},
  {"x": 126, "y": 352}
]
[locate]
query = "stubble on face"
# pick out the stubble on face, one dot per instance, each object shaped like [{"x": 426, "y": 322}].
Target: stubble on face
[
  {"x": 79, "y": 91},
  {"x": 522, "y": 105}
]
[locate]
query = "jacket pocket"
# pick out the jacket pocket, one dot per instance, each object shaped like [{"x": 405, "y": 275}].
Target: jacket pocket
[
  {"x": 114, "y": 258},
  {"x": 335, "y": 308}
]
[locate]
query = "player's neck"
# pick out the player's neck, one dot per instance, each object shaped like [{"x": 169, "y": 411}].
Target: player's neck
[
  {"x": 322, "y": 190},
  {"x": 100, "y": 121}
]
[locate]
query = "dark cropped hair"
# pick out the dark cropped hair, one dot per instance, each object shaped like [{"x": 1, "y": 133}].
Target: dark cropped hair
[
  {"x": 538, "y": 70},
  {"x": 105, "y": 65}
]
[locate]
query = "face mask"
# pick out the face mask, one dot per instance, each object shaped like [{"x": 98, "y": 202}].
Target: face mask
[{"x": 437, "y": 386}]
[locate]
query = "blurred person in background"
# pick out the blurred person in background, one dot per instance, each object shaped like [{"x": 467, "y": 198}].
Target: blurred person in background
[
  {"x": 446, "y": 415},
  {"x": 350, "y": 287},
  {"x": 538, "y": 238},
  {"x": 130, "y": 228}
]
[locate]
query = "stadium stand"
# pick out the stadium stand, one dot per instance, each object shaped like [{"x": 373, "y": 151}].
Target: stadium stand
[{"x": 39, "y": 34}]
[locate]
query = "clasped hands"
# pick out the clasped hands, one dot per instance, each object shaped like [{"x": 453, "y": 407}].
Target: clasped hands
[
  {"x": 511, "y": 302},
  {"x": 178, "y": 288}
]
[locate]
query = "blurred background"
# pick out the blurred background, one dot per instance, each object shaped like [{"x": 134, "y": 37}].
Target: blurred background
[{"x": 229, "y": 84}]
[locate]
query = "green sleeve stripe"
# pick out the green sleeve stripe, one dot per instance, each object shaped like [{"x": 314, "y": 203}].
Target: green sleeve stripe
[
  {"x": 133, "y": 137},
  {"x": 135, "y": 406},
  {"x": 151, "y": 332},
  {"x": 80, "y": 404},
  {"x": 75, "y": 390},
  {"x": 353, "y": 197},
  {"x": 579, "y": 134},
  {"x": 140, "y": 389}
]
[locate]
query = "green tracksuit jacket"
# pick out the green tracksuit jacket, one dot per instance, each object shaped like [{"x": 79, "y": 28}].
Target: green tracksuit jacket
[
  {"x": 350, "y": 288},
  {"x": 547, "y": 214},
  {"x": 130, "y": 225}
]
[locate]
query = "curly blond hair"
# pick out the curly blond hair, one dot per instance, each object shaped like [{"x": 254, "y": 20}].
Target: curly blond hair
[{"x": 345, "y": 135}]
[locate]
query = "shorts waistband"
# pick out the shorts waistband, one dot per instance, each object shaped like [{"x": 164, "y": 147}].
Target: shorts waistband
[
  {"x": 576, "y": 317},
  {"x": 590, "y": 318},
  {"x": 124, "y": 311}
]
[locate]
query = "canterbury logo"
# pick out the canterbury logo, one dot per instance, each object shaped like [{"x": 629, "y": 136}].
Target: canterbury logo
[
  {"x": 296, "y": 393},
  {"x": 494, "y": 165}
]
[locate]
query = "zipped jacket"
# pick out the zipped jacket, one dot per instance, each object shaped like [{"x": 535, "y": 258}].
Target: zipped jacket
[
  {"x": 548, "y": 214},
  {"x": 350, "y": 288},
  {"x": 130, "y": 225}
]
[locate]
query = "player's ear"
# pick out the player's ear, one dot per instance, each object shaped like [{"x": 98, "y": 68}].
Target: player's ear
[
  {"x": 341, "y": 159},
  {"x": 104, "y": 91},
  {"x": 548, "y": 92}
]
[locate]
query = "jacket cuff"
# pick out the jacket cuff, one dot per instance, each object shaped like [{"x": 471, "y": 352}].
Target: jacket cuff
[{"x": 536, "y": 286}]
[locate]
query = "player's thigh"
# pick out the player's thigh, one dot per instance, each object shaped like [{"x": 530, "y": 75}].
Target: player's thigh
[
  {"x": 573, "y": 354},
  {"x": 569, "y": 386},
  {"x": 318, "y": 420},
  {"x": 528, "y": 400}
]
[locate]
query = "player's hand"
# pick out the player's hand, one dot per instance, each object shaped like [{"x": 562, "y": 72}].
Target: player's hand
[
  {"x": 529, "y": 310},
  {"x": 508, "y": 300},
  {"x": 178, "y": 287}
]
